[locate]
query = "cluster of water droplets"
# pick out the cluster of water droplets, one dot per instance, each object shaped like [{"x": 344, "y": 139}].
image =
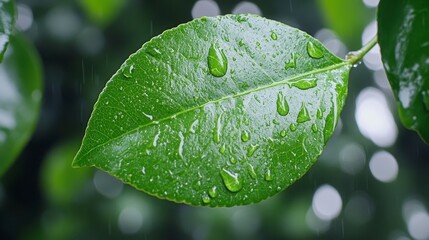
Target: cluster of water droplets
[{"x": 218, "y": 67}]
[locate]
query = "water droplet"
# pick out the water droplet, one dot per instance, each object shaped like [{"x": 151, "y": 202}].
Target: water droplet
[
  {"x": 268, "y": 176},
  {"x": 213, "y": 192},
  {"x": 245, "y": 136},
  {"x": 231, "y": 180},
  {"x": 314, "y": 51},
  {"x": 217, "y": 130},
  {"x": 252, "y": 149},
  {"x": 193, "y": 126},
  {"x": 282, "y": 105},
  {"x": 222, "y": 149},
  {"x": 276, "y": 122},
  {"x": 292, "y": 127},
  {"x": 127, "y": 71},
  {"x": 206, "y": 199},
  {"x": 251, "y": 171},
  {"x": 273, "y": 36},
  {"x": 148, "y": 116},
  {"x": 241, "y": 18},
  {"x": 319, "y": 113},
  {"x": 291, "y": 62},
  {"x": 155, "y": 139},
  {"x": 154, "y": 52},
  {"x": 233, "y": 160},
  {"x": 217, "y": 61},
  {"x": 241, "y": 43},
  {"x": 303, "y": 115},
  {"x": 246, "y": 121},
  {"x": 314, "y": 128},
  {"x": 283, "y": 133},
  {"x": 305, "y": 83},
  {"x": 182, "y": 141},
  {"x": 143, "y": 170}
]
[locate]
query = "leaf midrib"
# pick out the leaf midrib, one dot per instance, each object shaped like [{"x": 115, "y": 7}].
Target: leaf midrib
[{"x": 259, "y": 88}]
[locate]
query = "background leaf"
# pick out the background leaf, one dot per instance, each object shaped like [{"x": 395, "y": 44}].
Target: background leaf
[
  {"x": 63, "y": 184},
  {"x": 102, "y": 11},
  {"x": 346, "y": 18},
  {"x": 7, "y": 18},
  {"x": 199, "y": 115},
  {"x": 20, "y": 98},
  {"x": 404, "y": 44}
]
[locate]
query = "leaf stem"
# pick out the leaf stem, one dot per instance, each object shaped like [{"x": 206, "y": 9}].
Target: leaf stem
[{"x": 356, "y": 56}]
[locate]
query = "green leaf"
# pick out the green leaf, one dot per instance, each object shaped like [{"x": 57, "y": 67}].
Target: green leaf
[
  {"x": 346, "y": 18},
  {"x": 7, "y": 19},
  {"x": 217, "y": 111},
  {"x": 20, "y": 98},
  {"x": 404, "y": 44},
  {"x": 102, "y": 11}
]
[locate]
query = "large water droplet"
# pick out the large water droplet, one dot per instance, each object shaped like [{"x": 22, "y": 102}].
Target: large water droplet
[
  {"x": 233, "y": 160},
  {"x": 217, "y": 61},
  {"x": 291, "y": 62},
  {"x": 217, "y": 129},
  {"x": 128, "y": 70},
  {"x": 245, "y": 136},
  {"x": 305, "y": 83},
  {"x": 273, "y": 36},
  {"x": 303, "y": 115},
  {"x": 213, "y": 192},
  {"x": 251, "y": 171},
  {"x": 283, "y": 133},
  {"x": 268, "y": 176},
  {"x": 252, "y": 149},
  {"x": 206, "y": 199},
  {"x": 292, "y": 127},
  {"x": 282, "y": 105},
  {"x": 231, "y": 180},
  {"x": 314, "y": 51},
  {"x": 222, "y": 149}
]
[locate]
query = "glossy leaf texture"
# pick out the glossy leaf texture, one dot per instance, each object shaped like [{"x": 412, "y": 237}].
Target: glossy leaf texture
[
  {"x": 404, "y": 44},
  {"x": 20, "y": 98},
  {"x": 7, "y": 19},
  {"x": 219, "y": 111},
  {"x": 346, "y": 18}
]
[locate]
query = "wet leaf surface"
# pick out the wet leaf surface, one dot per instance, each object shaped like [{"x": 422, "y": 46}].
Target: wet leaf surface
[
  {"x": 7, "y": 19},
  {"x": 219, "y": 111}
]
